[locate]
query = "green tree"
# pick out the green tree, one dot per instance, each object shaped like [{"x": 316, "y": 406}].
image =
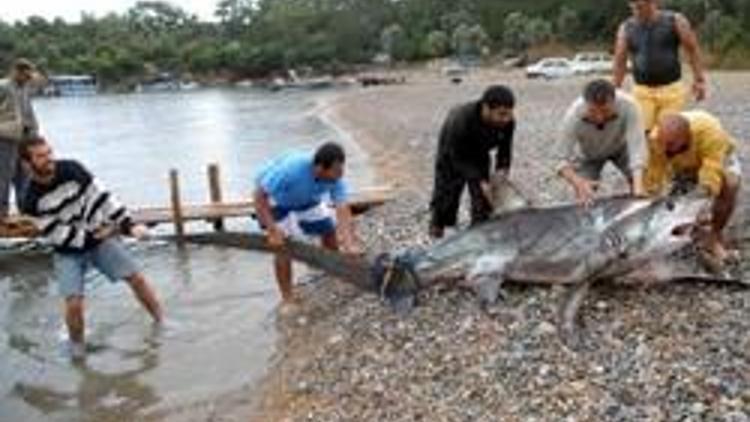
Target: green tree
[
  {"x": 393, "y": 41},
  {"x": 437, "y": 44},
  {"x": 568, "y": 24}
]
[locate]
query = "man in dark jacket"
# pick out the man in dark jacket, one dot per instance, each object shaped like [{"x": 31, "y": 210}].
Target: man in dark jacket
[{"x": 470, "y": 132}]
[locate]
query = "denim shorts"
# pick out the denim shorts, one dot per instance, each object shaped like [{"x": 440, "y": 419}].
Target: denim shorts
[{"x": 109, "y": 257}]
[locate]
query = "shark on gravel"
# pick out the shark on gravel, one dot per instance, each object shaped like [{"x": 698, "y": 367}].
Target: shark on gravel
[{"x": 617, "y": 238}]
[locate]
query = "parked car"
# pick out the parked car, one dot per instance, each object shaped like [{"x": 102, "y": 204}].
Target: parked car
[
  {"x": 551, "y": 68},
  {"x": 588, "y": 63}
]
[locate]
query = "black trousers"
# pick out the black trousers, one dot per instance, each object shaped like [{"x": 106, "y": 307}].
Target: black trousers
[{"x": 446, "y": 198}]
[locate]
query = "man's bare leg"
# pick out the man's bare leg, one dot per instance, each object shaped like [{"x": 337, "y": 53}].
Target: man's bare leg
[
  {"x": 145, "y": 295},
  {"x": 74, "y": 318},
  {"x": 723, "y": 208},
  {"x": 283, "y": 270},
  {"x": 330, "y": 241}
]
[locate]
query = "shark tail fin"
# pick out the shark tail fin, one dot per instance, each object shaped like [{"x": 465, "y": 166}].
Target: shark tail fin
[{"x": 396, "y": 281}]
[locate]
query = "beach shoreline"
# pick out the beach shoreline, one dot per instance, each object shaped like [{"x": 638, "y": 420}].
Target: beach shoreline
[{"x": 346, "y": 357}]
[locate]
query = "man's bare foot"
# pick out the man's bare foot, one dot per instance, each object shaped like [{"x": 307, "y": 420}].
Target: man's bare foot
[{"x": 289, "y": 307}]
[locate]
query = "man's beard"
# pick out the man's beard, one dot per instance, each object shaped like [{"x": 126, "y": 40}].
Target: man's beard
[{"x": 44, "y": 172}]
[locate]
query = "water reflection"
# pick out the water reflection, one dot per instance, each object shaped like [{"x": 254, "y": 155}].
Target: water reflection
[{"x": 219, "y": 304}]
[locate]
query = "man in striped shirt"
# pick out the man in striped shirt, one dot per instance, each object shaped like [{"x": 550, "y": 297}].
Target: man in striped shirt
[{"x": 81, "y": 220}]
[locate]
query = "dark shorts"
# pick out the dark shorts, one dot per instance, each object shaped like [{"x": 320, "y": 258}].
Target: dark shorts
[{"x": 315, "y": 220}]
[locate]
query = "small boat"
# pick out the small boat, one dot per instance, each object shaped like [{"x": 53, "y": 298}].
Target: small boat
[
  {"x": 164, "y": 82},
  {"x": 70, "y": 86}
]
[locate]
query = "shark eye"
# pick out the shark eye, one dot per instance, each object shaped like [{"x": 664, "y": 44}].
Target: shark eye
[{"x": 670, "y": 205}]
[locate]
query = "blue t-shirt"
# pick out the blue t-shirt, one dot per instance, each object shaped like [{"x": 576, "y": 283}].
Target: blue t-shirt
[{"x": 290, "y": 182}]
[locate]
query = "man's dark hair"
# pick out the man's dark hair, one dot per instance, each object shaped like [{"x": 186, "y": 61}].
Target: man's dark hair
[
  {"x": 498, "y": 96},
  {"x": 22, "y": 64},
  {"x": 329, "y": 154},
  {"x": 599, "y": 91},
  {"x": 24, "y": 148}
]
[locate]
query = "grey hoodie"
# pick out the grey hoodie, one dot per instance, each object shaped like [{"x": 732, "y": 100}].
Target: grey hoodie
[{"x": 17, "y": 118}]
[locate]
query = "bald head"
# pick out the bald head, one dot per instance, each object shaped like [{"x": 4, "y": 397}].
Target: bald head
[{"x": 674, "y": 134}]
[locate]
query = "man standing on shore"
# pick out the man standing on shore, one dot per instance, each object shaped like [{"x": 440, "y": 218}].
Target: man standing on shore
[
  {"x": 603, "y": 125},
  {"x": 469, "y": 133},
  {"x": 690, "y": 148},
  {"x": 652, "y": 38},
  {"x": 291, "y": 200},
  {"x": 81, "y": 221},
  {"x": 17, "y": 122}
]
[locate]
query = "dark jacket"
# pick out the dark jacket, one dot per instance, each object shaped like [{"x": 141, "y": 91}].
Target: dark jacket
[{"x": 465, "y": 143}]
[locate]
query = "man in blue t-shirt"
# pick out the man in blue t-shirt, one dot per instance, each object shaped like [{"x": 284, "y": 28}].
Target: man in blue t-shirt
[{"x": 291, "y": 198}]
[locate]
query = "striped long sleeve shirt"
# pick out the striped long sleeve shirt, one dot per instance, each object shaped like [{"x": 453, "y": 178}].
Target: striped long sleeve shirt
[{"x": 68, "y": 210}]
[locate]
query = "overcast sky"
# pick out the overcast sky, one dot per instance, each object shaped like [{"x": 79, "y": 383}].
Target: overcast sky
[{"x": 70, "y": 10}]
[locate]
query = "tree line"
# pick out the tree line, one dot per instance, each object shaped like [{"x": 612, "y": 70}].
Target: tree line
[{"x": 252, "y": 38}]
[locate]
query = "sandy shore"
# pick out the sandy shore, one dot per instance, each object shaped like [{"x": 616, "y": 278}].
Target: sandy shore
[{"x": 677, "y": 352}]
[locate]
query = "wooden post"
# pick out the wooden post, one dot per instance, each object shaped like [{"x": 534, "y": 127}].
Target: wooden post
[
  {"x": 214, "y": 186},
  {"x": 174, "y": 187}
]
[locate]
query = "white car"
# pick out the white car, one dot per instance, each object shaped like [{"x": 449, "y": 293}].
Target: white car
[
  {"x": 588, "y": 63},
  {"x": 551, "y": 68}
]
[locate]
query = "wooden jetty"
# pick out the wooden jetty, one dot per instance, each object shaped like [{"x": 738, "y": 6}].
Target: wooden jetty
[{"x": 214, "y": 212}]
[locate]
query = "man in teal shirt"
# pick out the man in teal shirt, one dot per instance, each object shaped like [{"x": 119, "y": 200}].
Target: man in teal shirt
[{"x": 292, "y": 198}]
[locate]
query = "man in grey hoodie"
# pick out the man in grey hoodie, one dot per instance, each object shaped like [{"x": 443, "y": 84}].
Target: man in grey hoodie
[
  {"x": 17, "y": 122},
  {"x": 603, "y": 125}
]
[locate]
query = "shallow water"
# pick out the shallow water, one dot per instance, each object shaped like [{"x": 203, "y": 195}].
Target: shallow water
[{"x": 220, "y": 304}]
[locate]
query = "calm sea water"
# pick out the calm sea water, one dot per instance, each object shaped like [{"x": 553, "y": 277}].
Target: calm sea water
[{"x": 220, "y": 303}]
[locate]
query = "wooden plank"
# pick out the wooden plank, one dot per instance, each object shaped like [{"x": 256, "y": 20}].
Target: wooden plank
[
  {"x": 176, "y": 210},
  {"x": 215, "y": 195},
  {"x": 360, "y": 202}
]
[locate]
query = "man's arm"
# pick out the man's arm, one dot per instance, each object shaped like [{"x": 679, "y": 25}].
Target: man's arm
[
  {"x": 620, "y": 65},
  {"x": 345, "y": 228},
  {"x": 265, "y": 216},
  {"x": 711, "y": 172},
  {"x": 567, "y": 155},
  {"x": 689, "y": 41},
  {"x": 504, "y": 154}
]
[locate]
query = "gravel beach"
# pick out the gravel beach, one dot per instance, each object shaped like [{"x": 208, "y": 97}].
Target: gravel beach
[{"x": 677, "y": 352}]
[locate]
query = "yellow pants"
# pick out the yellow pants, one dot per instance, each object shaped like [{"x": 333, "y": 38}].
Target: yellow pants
[{"x": 658, "y": 101}]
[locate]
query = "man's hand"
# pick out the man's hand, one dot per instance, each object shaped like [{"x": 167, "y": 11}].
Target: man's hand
[
  {"x": 699, "y": 90},
  {"x": 275, "y": 237},
  {"x": 585, "y": 190},
  {"x": 352, "y": 249},
  {"x": 105, "y": 231},
  {"x": 139, "y": 232}
]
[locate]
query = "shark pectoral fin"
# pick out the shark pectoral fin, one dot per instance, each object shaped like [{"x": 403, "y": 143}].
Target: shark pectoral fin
[
  {"x": 569, "y": 312},
  {"x": 488, "y": 289}
]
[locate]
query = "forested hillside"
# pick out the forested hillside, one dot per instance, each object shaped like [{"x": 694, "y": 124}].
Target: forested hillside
[{"x": 255, "y": 37}]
